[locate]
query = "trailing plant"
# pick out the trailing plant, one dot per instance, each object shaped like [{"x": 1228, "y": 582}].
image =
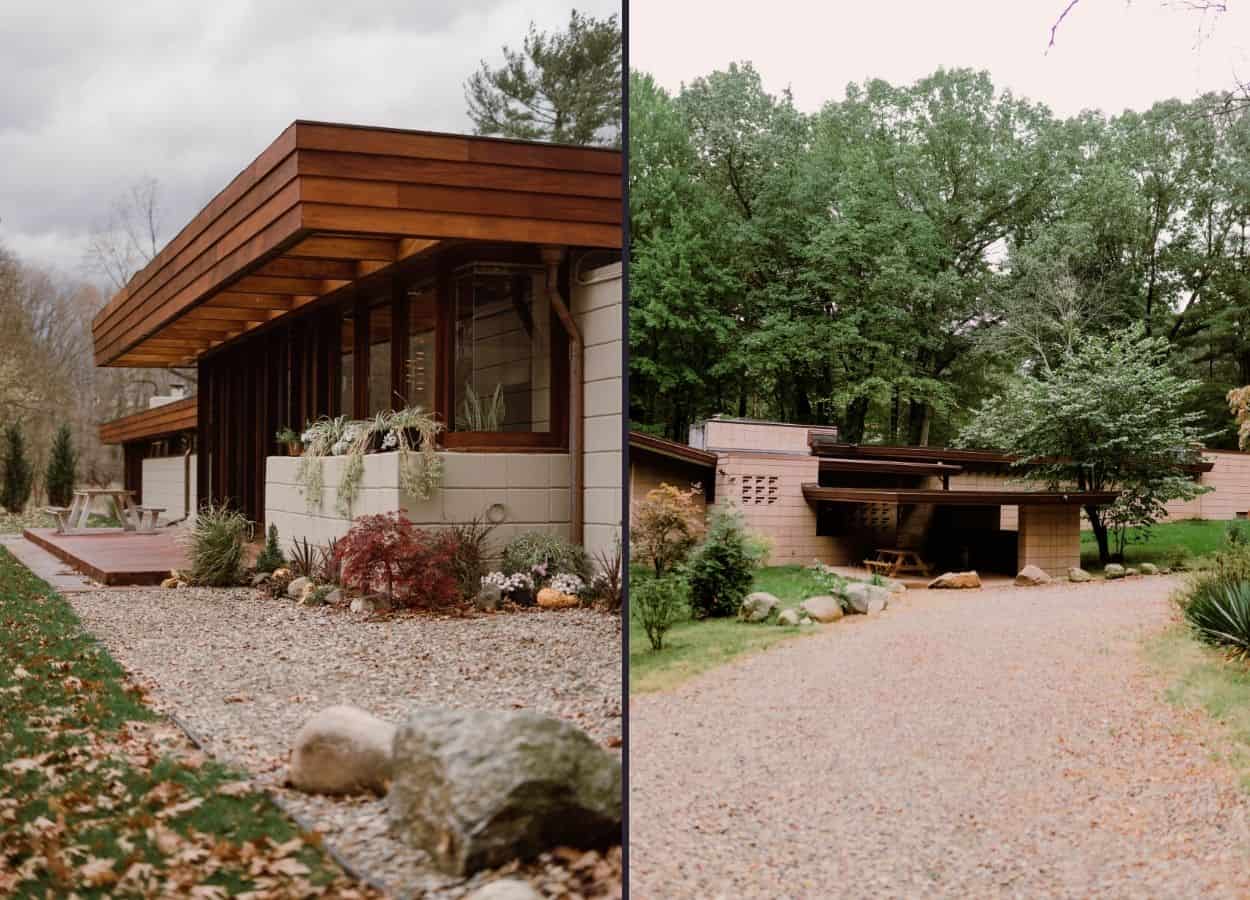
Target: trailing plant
[
  {"x": 659, "y": 604},
  {"x": 413, "y": 565},
  {"x": 469, "y": 553},
  {"x": 666, "y": 526},
  {"x": 420, "y": 474},
  {"x": 319, "y": 438},
  {"x": 541, "y": 555},
  {"x": 721, "y": 570},
  {"x": 476, "y": 415},
  {"x": 215, "y": 546},
  {"x": 270, "y": 556},
  {"x": 303, "y": 560},
  {"x": 1218, "y": 611},
  {"x": 62, "y": 468},
  {"x": 18, "y": 475}
]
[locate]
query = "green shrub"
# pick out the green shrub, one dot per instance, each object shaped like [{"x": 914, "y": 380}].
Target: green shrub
[
  {"x": 270, "y": 557},
  {"x": 62, "y": 468},
  {"x": 542, "y": 555},
  {"x": 18, "y": 476},
  {"x": 1218, "y": 611},
  {"x": 659, "y": 604},
  {"x": 215, "y": 546},
  {"x": 665, "y": 526},
  {"x": 1176, "y": 557},
  {"x": 722, "y": 568}
]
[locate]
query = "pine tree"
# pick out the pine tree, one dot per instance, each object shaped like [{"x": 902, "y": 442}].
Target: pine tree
[
  {"x": 62, "y": 468},
  {"x": 270, "y": 557},
  {"x": 16, "y": 483}
]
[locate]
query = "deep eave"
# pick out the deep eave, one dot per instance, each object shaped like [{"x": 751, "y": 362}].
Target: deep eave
[
  {"x": 327, "y": 204},
  {"x": 159, "y": 421},
  {"x": 814, "y": 493},
  {"x": 671, "y": 449}
]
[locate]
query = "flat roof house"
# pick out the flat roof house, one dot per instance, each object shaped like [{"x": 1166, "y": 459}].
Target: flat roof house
[{"x": 351, "y": 270}]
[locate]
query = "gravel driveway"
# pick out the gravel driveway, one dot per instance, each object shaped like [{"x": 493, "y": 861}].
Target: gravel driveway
[
  {"x": 1005, "y": 743},
  {"x": 244, "y": 672}
]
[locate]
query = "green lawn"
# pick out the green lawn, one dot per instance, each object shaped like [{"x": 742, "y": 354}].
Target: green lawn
[
  {"x": 693, "y": 647},
  {"x": 1199, "y": 537},
  {"x": 1200, "y": 677},
  {"x": 100, "y": 797}
]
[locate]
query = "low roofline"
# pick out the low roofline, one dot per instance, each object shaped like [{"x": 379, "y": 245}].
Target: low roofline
[
  {"x": 159, "y": 421},
  {"x": 673, "y": 449},
  {"x": 814, "y": 493}
]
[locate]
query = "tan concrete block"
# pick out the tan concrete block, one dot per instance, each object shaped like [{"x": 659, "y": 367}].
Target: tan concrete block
[
  {"x": 529, "y": 505},
  {"x": 474, "y": 470},
  {"x": 527, "y": 470}
]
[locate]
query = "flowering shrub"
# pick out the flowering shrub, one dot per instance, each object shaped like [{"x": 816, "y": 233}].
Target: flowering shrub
[
  {"x": 509, "y": 584},
  {"x": 387, "y": 552},
  {"x": 566, "y": 583}
]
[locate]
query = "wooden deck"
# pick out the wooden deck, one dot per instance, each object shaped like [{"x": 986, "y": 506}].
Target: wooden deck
[{"x": 114, "y": 557}]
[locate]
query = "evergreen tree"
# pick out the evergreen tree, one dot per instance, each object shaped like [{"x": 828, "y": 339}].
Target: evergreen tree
[
  {"x": 62, "y": 468},
  {"x": 271, "y": 556},
  {"x": 16, "y": 483},
  {"x": 563, "y": 86}
]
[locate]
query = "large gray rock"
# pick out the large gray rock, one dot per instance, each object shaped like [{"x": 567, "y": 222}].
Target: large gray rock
[
  {"x": 342, "y": 750},
  {"x": 788, "y": 617},
  {"x": 295, "y": 590},
  {"x": 1032, "y": 575},
  {"x": 1113, "y": 570},
  {"x": 757, "y": 607},
  {"x": 866, "y": 598},
  {"x": 506, "y": 889},
  {"x": 823, "y": 608},
  {"x": 895, "y": 587},
  {"x": 1079, "y": 575},
  {"x": 1149, "y": 569},
  {"x": 955, "y": 581},
  {"x": 373, "y": 603},
  {"x": 478, "y": 788}
]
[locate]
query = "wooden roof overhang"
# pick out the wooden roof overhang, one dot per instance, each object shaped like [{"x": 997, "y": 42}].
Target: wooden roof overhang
[
  {"x": 672, "y": 449},
  {"x": 327, "y": 204},
  {"x": 889, "y": 467},
  {"x": 159, "y": 421},
  {"x": 814, "y": 494}
]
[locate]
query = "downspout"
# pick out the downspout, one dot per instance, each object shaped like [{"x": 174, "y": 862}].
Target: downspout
[{"x": 577, "y": 423}]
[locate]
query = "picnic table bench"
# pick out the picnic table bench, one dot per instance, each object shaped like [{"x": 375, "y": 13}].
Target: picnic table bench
[
  {"x": 74, "y": 519},
  {"x": 892, "y": 562}
]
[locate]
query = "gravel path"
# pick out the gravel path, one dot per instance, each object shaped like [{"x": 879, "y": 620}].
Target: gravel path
[
  {"x": 244, "y": 673},
  {"x": 1004, "y": 743}
]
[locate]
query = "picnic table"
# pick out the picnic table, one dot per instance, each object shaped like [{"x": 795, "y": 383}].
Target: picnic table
[
  {"x": 892, "y": 562},
  {"x": 74, "y": 519}
]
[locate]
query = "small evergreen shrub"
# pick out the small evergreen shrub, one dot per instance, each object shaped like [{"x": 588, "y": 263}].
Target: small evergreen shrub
[
  {"x": 270, "y": 557},
  {"x": 542, "y": 555},
  {"x": 721, "y": 570},
  {"x": 659, "y": 603},
  {"x": 18, "y": 477},
  {"x": 215, "y": 546},
  {"x": 62, "y": 468},
  {"x": 666, "y": 526},
  {"x": 1218, "y": 611}
]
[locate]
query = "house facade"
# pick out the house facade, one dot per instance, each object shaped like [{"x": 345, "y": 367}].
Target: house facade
[{"x": 349, "y": 271}]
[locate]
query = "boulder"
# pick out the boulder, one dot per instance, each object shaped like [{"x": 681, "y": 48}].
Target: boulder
[
  {"x": 550, "y": 598},
  {"x": 758, "y": 607},
  {"x": 1130, "y": 571},
  {"x": 1113, "y": 570},
  {"x": 335, "y": 597},
  {"x": 1077, "y": 574},
  {"x": 169, "y": 583},
  {"x": 373, "y": 603},
  {"x": 478, "y": 788},
  {"x": 342, "y": 750},
  {"x": 260, "y": 579},
  {"x": 788, "y": 617},
  {"x": 823, "y": 608},
  {"x": 955, "y": 581},
  {"x": 488, "y": 598},
  {"x": 806, "y": 621},
  {"x": 506, "y": 889},
  {"x": 895, "y": 587},
  {"x": 1149, "y": 569},
  {"x": 1032, "y": 575},
  {"x": 295, "y": 589},
  {"x": 866, "y": 598},
  {"x": 282, "y": 572}
]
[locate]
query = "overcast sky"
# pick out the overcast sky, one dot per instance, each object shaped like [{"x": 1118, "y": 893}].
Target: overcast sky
[
  {"x": 99, "y": 94},
  {"x": 1109, "y": 54}
]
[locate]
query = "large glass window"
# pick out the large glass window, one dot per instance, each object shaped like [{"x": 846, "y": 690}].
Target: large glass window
[
  {"x": 420, "y": 366},
  {"x": 380, "y": 321},
  {"x": 502, "y": 368},
  {"x": 347, "y": 364}
]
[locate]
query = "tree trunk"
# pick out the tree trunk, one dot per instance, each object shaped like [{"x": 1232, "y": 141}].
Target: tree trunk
[
  {"x": 853, "y": 423},
  {"x": 1099, "y": 527},
  {"x": 918, "y": 415}
]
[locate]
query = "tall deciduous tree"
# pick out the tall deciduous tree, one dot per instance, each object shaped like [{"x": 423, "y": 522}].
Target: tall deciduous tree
[
  {"x": 562, "y": 86},
  {"x": 1109, "y": 416}
]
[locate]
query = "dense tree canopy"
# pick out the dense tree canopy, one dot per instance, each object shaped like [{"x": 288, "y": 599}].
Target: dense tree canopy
[{"x": 891, "y": 261}]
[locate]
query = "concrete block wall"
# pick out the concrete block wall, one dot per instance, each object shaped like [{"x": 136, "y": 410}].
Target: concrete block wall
[
  {"x": 596, "y": 305},
  {"x": 163, "y": 484},
  {"x": 728, "y": 434},
  {"x": 1050, "y": 538},
  {"x": 768, "y": 490},
  {"x": 1230, "y": 494},
  {"x": 525, "y": 491}
]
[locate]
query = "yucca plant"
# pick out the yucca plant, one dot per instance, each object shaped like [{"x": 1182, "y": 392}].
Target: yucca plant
[
  {"x": 303, "y": 558},
  {"x": 1219, "y": 613},
  {"x": 215, "y": 546}
]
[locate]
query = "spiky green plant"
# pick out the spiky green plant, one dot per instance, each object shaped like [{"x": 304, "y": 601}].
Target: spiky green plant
[
  {"x": 215, "y": 546},
  {"x": 479, "y": 415},
  {"x": 1219, "y": 614}
]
